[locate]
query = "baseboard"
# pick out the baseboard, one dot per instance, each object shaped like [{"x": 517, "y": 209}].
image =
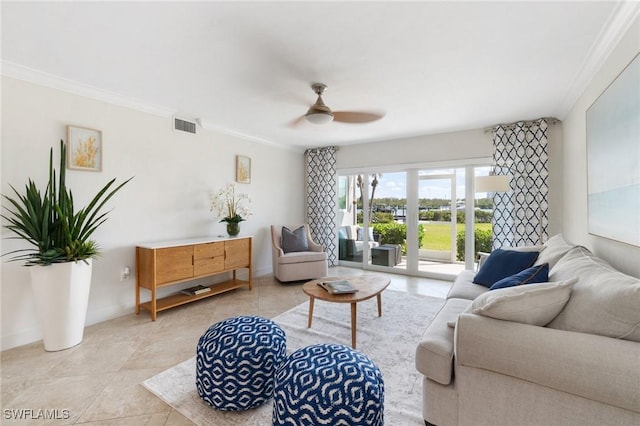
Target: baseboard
[
  {"x": 22, "y": 338},
  {"x": 108, "y": 313},
  {"x": 262, "y": 271},
  {"x": 34, "y": 334},
  {"x": 95, "y": 316}
]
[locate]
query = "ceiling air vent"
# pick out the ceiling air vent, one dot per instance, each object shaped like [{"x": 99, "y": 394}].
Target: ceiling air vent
[{"x": 184, "y": 125}]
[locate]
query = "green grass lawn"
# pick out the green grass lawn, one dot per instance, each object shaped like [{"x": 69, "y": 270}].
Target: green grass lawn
[{"x": 438, "y": 234}]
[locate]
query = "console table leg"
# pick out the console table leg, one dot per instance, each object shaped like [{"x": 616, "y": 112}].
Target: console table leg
[
  {"x": 137, "y": 298},
  {"x": 153, "y": 304}
]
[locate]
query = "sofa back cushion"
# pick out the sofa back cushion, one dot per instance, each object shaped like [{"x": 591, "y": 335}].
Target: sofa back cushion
[
  {"x": 554, "y": 249},
  {"x": 349, "y": 232},
  {"x": 342, "y": 233},
  {"x": 604, "y": 301},
  {"x": 361, "y": 236}
]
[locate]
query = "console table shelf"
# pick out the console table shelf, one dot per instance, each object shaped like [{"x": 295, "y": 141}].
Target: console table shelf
[{"x": 172, "y": 262}]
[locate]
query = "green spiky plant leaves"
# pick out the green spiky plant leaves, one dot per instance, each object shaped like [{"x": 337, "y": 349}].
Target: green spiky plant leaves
[{"x": 49, "y": 221}]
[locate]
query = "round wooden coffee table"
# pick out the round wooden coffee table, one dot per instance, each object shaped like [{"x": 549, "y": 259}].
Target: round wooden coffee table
[{"x": 368, "y": 286}]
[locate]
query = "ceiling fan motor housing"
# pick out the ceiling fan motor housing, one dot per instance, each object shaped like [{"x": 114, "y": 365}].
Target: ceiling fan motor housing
[{"x": 319, "y": 113}]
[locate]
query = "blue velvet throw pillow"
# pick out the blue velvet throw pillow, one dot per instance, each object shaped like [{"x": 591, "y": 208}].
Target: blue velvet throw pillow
[
  {"x": 503, "y": 263},
  {"x": 294, "y": 240},
  {"x": 535, "y": 274}
]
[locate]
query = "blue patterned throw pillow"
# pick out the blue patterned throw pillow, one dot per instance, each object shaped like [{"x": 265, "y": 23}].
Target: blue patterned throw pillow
[{"x": 535, "y": 274}]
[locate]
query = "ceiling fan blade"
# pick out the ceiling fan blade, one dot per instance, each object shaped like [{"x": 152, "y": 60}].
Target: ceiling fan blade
[
  {"x": 356, "y": 117},
  {"x": 296, "y": 122}
]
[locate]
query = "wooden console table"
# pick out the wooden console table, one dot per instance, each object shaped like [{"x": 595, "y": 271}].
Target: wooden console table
[{"x": 167, "y": 263}]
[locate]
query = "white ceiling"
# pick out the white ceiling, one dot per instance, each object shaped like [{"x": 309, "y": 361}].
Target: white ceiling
[{"x": 246, "y": 67}]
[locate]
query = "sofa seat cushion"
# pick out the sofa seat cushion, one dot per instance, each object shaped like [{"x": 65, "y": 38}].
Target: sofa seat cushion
[
  {"x": 360, "y": 244},
  {"x": 464, "y": 288},
  {"x": 434, "y": 354},
  {"x": 604, "y": 301},
  {"x": 302, "y": 256}
]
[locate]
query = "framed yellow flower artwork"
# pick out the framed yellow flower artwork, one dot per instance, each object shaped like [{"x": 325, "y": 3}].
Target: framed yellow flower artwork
[
  {"x": 243, "y": 169},
  {"x": 84, "y": 149}
]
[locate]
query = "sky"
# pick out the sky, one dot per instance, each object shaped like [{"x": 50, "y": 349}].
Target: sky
[{"x": 393, "y": 185}]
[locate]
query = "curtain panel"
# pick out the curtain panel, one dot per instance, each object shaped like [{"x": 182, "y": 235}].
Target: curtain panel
[
  {"x": 321, "y": 187},
  {"x": 520, "y": 216}
]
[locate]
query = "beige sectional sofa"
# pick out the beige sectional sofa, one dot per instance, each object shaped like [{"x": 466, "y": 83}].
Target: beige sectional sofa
[{"x": 582, "y": 368}]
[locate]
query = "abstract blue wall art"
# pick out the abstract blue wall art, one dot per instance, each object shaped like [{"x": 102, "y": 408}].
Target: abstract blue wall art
[{"x": 613, "y": 159}]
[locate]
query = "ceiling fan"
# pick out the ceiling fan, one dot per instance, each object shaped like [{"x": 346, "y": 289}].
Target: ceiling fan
[{"x": 319, "y": 113}]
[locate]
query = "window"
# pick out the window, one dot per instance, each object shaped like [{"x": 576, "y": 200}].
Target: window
[{"x": 413, "y": 221}]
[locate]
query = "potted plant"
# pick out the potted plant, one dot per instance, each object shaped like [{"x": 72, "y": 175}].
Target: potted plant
[
  {"x": 62, "y": 250},
  {"x": 232, "y": 208}
]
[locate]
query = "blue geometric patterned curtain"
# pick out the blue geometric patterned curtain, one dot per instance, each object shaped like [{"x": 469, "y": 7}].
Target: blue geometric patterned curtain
[
  {"x": 520, "y": 216},
  {"x": 322, "y": 208}
]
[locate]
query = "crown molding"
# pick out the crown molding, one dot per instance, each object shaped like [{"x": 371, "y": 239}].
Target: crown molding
[
  {"x": 616, "y": 27},
  {"x": 215, "y": 128},
  {"x": 20, "y": 72}
]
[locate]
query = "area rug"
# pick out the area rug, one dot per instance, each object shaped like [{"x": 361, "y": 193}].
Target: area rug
[{"x": 390, "y": 341}]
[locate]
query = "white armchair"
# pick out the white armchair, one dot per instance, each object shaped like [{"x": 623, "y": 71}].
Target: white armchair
[{"x": 299, "y": 258}]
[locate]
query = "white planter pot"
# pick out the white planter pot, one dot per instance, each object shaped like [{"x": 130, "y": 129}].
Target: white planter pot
[{"x": 61, "y": 294}]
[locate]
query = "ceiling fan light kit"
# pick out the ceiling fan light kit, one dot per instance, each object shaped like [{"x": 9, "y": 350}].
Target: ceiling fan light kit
[
  {"x": 318, "y": 117},
  {"x": 319, "y": 113}
]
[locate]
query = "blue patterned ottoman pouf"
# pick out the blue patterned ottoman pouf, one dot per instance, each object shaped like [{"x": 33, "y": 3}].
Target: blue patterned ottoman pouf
[
  {"x": 236, "y": 362},
  {"x": 328, "y": 384}
]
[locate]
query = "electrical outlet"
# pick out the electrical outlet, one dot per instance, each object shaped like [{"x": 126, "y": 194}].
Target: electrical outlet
[{"x": 125, "y": 273}]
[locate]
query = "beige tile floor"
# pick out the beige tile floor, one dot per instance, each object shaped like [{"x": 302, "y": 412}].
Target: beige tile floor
[{"x": 98, "y": 381}]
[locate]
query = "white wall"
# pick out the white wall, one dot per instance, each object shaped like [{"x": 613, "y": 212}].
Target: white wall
[
  {"x": 168, "y": 197},
  {"x": 449, "y": 147},
  {"x": 417, "y": 150},
  {"x": 623, "y": 256}
]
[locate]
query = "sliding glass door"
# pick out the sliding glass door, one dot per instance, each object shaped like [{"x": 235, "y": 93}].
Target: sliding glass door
[
  {"x": 387, "y": 220},
  {"x": 372, "y": 211},
  {"x": 438, "y": 204},
  {"x": 415, "y": 221}
]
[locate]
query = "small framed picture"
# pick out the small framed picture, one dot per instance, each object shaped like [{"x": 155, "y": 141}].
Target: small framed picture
[
  {"x": 84, "y": 149},
  {"x": 243, "y": 169}
]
